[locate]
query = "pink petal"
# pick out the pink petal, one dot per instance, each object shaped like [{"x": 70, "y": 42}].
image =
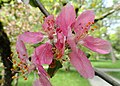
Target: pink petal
[
  {"x": 66, "y": 18},
  {"x": 31, "y": 37},
  {"x": 60, "y": 44},
  {"x": 21, "y": 50},
  {"x": 43, "y": 80},
  {"x": 49, "y": 22},
  {"x": 70, "y": 40},
  {"x": 84, "y": 19},
  {"x": 37, "y": 83},
  {"x": 48, "y": 26},
  {"x": 44, "y": 53},
  {"x": 82, "y": 64},
  {"x": 97, "y": 45}
]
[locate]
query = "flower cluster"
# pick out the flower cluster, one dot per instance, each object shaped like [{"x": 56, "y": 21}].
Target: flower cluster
[{"x": 64, "y": 32}]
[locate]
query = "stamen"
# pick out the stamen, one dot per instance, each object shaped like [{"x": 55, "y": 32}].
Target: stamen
[
  {"x": 92, "y": 22},
  {"x": 52, "y": 65},
  {"x": 11, "y": 55},
  {"x": 13, "y": 77},
  {"x": 89, "y": 23},
  {"x": 92, "y": 29},
  {"x": 95, "y": 27},
  {"x": 24, "y": 55},
  {"x": 17, "y": 52},
  {"x": 25, "y": 78},
  {"x": 14, "y": 62}
]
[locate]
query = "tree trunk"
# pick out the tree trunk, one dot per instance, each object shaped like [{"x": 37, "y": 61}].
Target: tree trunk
[{"x": 5, "y": 53}]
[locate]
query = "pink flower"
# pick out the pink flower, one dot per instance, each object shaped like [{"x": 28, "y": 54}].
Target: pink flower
[
  {"x": 65, "y": 21},
  {"x": 66, "y": 32}
]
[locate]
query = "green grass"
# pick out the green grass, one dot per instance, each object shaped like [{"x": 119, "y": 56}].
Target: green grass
[
  {"x": 115, "y": 74},
  {"x": 72, "y": 78},
  {"x": 62, "y": 78},
  {"x": 106, "y": 64}
]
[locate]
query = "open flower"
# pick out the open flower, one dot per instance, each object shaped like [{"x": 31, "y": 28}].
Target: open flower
[
  {"x": 68, "y": 24},
  {"x": 66, "y": 32}
]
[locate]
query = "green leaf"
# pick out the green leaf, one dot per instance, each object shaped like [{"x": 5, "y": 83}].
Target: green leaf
[{"x": 53, "y": 67}]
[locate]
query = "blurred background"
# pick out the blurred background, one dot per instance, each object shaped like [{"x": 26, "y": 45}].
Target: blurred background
[{"x": 16, "y": 18}]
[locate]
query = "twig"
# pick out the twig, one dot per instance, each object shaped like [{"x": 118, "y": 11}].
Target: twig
[
  {"x": 97, "y": 72},
  {"x": 115, "y": 8},
  {"x": 42, "y": 8}
]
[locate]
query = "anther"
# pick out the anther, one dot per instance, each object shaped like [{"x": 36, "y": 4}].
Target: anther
[
  {"x": 13, "y": 77},
  {"x": 92, "y": 22},
  {"x": 19, "y": 64},
  {"x": 95, "y": 26},
  {"x": 92, "y": 29},
  {"x": 24, "y": 55},
  {"x": 25, "y": 78},
  {"x": 17, "y": 52},
  {"x": 11, "y": 55},
  {"x": 89, "y": 23},
  {"x": 14, "y": 62},
  {"x": 86, "y": 31}
]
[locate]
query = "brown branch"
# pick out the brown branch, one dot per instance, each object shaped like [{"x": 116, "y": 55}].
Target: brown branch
[
  {"x": 115, "y": 8},
  {"x": 97, "y": 72},
  {"x": 42, "y": 8}
]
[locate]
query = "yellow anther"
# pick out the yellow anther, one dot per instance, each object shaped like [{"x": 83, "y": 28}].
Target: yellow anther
[
  {"x": 92, "y": 29},
  {"x": 25, "y": 66},
  {"x": 25, "y": 78},
  {"x": 23, "y": 71},
  {"x": 95, "y": 26},
  {"x": 87, "y": 25},
  {"x": 17, "y": 52},
  {"x": 13, "y": 77},
  {"x": 14, "y": 62},
  {"x": 11, "y": 54},
  {"x": 19, "y": 64},
  {"x": 92, "y": 22}
]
